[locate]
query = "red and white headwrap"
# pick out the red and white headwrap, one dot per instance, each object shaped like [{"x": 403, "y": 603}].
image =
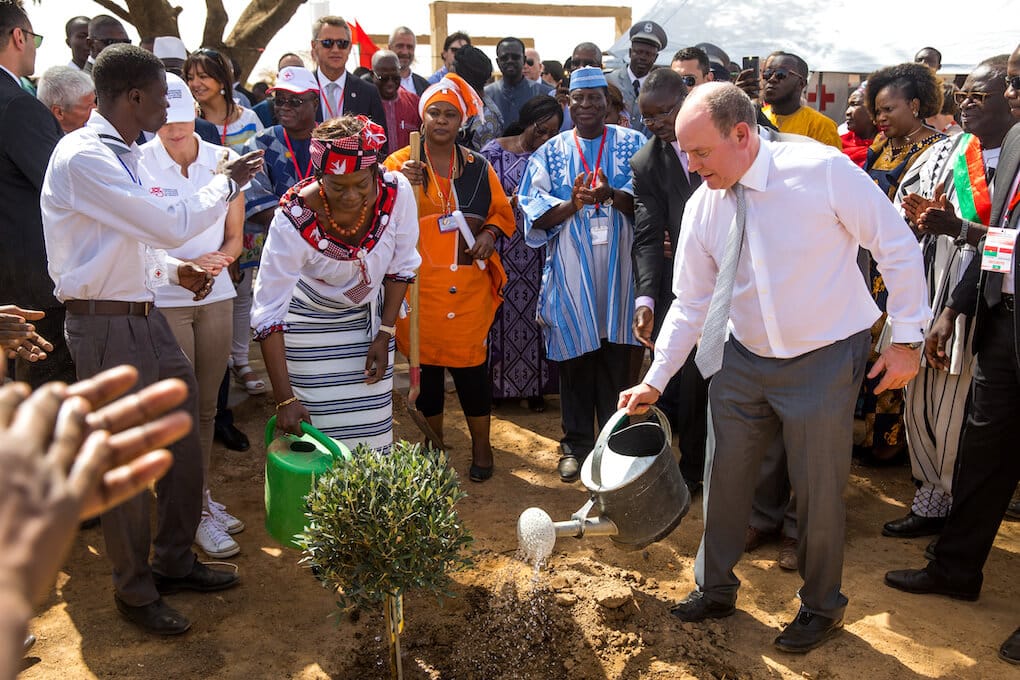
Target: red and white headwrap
[
  {"x": 348, "y": 154},
  {"x": 453, "y": 90}
]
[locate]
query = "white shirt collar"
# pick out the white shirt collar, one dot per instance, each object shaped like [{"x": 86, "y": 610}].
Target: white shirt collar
[
  {"x": 11, "y": 74},
  {"x": 109, "y": 134},
  {"x": 757, "y": 176},
  {"x": 631, "y": 77},
  {"x": 324, "y": 81}
]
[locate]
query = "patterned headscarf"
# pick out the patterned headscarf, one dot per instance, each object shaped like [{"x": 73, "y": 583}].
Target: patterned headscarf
[
  {"x": 455, "y": 91},
  {"x": 348, "y": 154}
]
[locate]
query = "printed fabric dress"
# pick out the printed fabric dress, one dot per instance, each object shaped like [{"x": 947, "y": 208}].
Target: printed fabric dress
[{"x": 517, "y": 359}]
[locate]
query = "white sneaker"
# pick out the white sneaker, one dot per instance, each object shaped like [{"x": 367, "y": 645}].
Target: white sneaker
[
  {"x": 214, "y": 540},
  {"x": 230, "y": 524}
]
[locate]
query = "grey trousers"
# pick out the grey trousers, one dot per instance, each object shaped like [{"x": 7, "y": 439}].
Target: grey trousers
[
  {"x": 100, "y": 342},
  {"x": 809, "y": 402}
]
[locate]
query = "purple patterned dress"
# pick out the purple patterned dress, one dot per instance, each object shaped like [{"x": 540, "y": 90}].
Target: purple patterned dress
[{"x": 516, "y": 352}]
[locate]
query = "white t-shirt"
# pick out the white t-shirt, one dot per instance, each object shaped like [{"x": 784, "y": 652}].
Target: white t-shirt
[{"x": 163, "y": 176}]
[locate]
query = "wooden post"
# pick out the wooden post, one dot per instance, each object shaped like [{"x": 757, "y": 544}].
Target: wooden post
[{"x": 438, "y": 25}]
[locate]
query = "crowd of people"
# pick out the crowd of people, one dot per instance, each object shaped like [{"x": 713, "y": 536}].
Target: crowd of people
[{"x": 808, "y": 292}]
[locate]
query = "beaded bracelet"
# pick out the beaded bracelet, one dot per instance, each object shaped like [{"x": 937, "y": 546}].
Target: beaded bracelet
[{"x": 285, "y": 402}]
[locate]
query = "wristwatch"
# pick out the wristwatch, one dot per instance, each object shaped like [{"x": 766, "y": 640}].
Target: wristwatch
[
  {"x": 609, "y": 199},
  {"x": 909, "y": 345}
]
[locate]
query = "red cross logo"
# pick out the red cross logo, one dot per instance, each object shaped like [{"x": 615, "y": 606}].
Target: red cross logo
[{"x": 827, "y": 97}]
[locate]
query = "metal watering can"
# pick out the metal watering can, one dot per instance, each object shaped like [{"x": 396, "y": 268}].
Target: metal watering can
[
  {"x": 634, "y": 480},
  {"x": 292, "y": 463}
]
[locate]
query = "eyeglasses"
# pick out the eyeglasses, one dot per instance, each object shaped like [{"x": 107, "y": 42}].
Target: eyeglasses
[
  {"x": 689, "y": 80},
  {"x": 1014, "y": 82},
  {"x": 663, "y": 116},
  {"x": 529, "y": 62},
  {"x": 328, "y": 43},
  {"x": 111, "y": 41},
  {"x": 977, "y": 97},
  {"x": 393, "y": 77},
  {"x": 293, "y": 101},
  {"x": 36, "y": 38},
  {"x": 780, "y": 74}
]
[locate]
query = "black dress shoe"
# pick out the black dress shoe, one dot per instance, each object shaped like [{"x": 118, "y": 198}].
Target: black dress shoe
[
  {"x": 696, "y": 607},
  {"x": 202, "y": 579},
  {"x": 156, "y": 617},
  {"x": 913, "y": 526},
  {"x": 1010, "y": 649},
  {"x": 231, "y": 437},
  {"x": 569, "y": 468},
  {"x": 920, "y": 582},
  {"x": 807, "y": 631}
]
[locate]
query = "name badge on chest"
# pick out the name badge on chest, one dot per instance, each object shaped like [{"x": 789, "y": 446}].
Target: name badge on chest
[
  {"x": 447, "y": 223},
  {"x": 598, "y": 225},
  {"x": 997, "y": 255}
]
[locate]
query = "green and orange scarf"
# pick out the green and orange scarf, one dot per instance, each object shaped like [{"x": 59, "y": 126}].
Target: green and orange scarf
[{"x": 973, "y": 198}]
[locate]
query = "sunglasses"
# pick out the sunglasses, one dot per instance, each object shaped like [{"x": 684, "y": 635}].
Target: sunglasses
[
  {"x": 112, "y": 41},
  {"x": 780, "y": 74},
  {"x": 293, "y": 101},
  {"x": 394, "y": 77},
  {"x": 328, "y": 43},
  {"x": 689, "y": 80},
  {"x": 1014, "y": 82},
  {"x": 664, "y": 116},
  {"x": 529, "y": 62},
  {"x": 977, "y": 97},
  {"x": 36, "y": 38}
]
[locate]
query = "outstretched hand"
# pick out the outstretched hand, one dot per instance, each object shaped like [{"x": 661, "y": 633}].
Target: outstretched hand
[{"x": 18, "y": 338}]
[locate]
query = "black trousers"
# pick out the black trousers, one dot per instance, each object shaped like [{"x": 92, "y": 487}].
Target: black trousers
[
  {"x": 988, "y": 465},
  {"x": 474, "y": 390},
  {"x": 590, "y": 387}
]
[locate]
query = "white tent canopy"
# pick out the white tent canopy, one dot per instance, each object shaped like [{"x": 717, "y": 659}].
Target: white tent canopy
[{"x": 856, "y": 37}]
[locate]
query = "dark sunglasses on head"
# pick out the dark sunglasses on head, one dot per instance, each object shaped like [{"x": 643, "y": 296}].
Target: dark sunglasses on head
[
  {"x": 780, "y": 74},
  {"x": 1014, "y": 82},
  {"x": 36, "y": 38},
  {"x": 112, "y": 41},
  {"x": 393, "y": 77},
  {"x": 329, "y": 42},
  {"x": 292, "y": 101},
  {"x": 689, "y": 80},
  {"x": 977, "y": 97}
]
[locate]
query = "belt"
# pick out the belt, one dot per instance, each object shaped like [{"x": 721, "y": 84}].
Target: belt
[{"x": 109, "y": 307}]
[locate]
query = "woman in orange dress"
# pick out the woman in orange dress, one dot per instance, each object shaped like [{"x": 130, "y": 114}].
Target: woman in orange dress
[{"x": 460, "y": 286}]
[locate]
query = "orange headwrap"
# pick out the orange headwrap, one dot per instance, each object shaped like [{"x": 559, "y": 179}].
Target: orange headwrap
[{"x": 455, "y": 91}]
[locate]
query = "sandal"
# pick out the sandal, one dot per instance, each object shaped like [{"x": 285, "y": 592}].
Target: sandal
[{"x": 244, "y": 375}]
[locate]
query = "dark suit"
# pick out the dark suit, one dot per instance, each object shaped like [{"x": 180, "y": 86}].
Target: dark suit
[
  {"x": 661, "y": 190},
  {"x": 988, "y": 466},
  {"x": 420, "y": 83},
  {"x": 359, "y": 97},
  {"x": 28, "y": 134}
]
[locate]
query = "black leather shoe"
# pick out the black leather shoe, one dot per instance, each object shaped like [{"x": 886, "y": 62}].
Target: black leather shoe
[
  {"x": 202, "y": 579},
  {"x": 807, "y": 631},
  {"x": 696, "y": 607},
  {"x": 156, "y": 617},
  {"x": 231, "y": 437},
  {"x": 569, "y": 468},
  {"x": 1010, "y": 649},
  {"x": 913, "y": 526},
  {"x": 920, "y": 582}
]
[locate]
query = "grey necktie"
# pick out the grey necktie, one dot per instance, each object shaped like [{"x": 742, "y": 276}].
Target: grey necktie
[
  {"x": 331, "y": 89},
  {"x": 710, "y": 352}
]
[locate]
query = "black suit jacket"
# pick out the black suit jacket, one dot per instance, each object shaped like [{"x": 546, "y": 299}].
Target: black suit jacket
[
  {"x": 420, "y": 83},
  {"x": 661, "y": 190},
  {"x": 361, "y": 97},
  {"x": 28, "y": 134},
  {"x": 969, "y": 295}
]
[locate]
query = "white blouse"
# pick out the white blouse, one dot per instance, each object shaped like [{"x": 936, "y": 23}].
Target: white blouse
[{"x": 287, "y": 256}]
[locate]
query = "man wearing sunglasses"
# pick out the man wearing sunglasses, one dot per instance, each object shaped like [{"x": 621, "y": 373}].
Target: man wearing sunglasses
[
  {"x": 514, "y": 89},
  {"x": 783, "y": 80},
  {"x": 28, "y": 134},
  {"x": 104, "y": 31},
  {"x": 693, "y": 65},
  {"x": 339, "y": 92},
  {"x": 401, "y": 106}
]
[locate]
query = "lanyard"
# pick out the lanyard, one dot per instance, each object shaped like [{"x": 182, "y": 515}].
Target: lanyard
[
  {"x": 325, "y": 99},
  {"x": 598, "y": 159},
  {"x": 445, "y": 205},
  {"x": 293, "y": 159},
  {"x": 134, "y": 180}
]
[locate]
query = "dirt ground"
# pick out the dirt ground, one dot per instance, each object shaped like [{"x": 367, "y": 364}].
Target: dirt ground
[{"x": 595, "y": 613}]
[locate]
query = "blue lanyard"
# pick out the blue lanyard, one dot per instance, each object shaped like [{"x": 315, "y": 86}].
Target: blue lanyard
[{"x": 136, "y": 180}]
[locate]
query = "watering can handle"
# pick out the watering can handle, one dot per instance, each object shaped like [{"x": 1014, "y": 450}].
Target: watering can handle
[
  {"x": 609, "y": 429},
  {"x": 312, "y": 432}
]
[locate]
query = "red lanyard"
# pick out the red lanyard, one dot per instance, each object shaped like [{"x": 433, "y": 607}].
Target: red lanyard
[
  {"x": 598, "y": 159},
  {"x": 293, "y": 159},
  {"x": 223, "y": 137},
  {"x": 325, "y": 99},
  {"x": 449, "y": 173}
]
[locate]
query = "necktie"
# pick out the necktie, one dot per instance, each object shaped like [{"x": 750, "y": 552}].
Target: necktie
[
  {"x": 637, "y": 87},
  {"x": 713, "y": 336},
  {"x": 331, "y": 97}
]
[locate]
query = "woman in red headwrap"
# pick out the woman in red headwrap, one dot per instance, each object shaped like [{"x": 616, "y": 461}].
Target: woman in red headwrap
[
  {"x": 461, "y": 285},
  {"x": 335, "y": 267}
]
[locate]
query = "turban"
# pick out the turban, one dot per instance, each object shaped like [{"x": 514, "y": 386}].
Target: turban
[
  {"x": 348, "y": 154},
  {"x": 455, "y": 91}
]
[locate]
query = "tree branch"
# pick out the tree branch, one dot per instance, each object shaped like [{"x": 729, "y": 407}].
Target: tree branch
[
  {"x": 215, "y": 23},
  {"x": 116, "y": 10}
]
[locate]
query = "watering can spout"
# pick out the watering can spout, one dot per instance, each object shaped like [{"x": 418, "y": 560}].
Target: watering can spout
[{"x": 588, "y": 526}]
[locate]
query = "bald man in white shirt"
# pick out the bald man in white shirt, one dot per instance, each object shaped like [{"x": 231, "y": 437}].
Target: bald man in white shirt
[{"x": 785, "y": 282}]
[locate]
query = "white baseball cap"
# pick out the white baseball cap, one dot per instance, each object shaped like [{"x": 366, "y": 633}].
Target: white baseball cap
[
  {"x": 169, "y": 47},
  {"x": 296, "y": 79},
  {"x": 182, "y": 103}
]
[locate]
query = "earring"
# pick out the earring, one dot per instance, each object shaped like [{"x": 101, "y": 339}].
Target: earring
[{"x": 222, "y": 91}]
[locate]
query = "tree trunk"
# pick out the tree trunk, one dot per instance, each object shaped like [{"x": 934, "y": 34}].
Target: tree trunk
[{"x": 152, "y": 18}]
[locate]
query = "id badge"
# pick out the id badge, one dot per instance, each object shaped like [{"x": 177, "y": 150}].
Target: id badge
[
  {"x": 156, "y": 274},
  {"x": 447, "y": 223},
  {"x": 997, "y": 255},
  {"x": 598, "y": 226}
]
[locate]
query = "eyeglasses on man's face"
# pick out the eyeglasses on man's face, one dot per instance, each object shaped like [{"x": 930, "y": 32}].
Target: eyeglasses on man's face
[
  {"x": 779, "y": 74},
  {"x": 977, "y": 97},
  {"x": 329, "y": 43},
  {"x": 36, "y": 38},
  {"x": 1014, "y": 82},
  {"x": 293, "y": 101}
]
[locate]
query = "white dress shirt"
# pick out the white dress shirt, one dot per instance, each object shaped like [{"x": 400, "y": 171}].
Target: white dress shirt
[
  {"x": 408, "y": 83},
  {"x": 99, "y": 218},
  {"x": 798, "y": 286},
  {"x": 324, "y": 82},
  {"x": 162, "y": 175}
]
